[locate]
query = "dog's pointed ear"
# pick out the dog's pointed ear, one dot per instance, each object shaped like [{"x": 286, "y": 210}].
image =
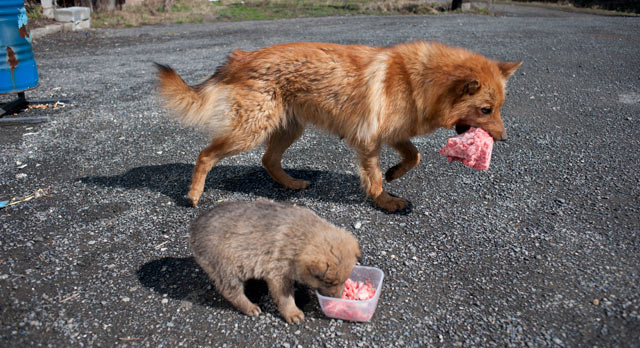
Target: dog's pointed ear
[
  {"x": 508, "y": 68},
  {"x": 471, "y": 87}
]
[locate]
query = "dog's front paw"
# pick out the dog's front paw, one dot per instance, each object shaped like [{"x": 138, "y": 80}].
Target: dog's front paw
[
  {"x": 252, "y": 310},
  {"x": 391, "y": 204},
  {"x": 393, "y": 173},
  {"x": 293, "y": 316}
]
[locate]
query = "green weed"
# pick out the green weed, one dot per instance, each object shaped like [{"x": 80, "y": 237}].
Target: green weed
[{"x": 197, "y": 11}]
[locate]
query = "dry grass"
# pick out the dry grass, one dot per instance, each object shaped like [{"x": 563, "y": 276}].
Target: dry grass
[
  {"x": 565, "y": 5},
  {"x": 196, "y": 11}
]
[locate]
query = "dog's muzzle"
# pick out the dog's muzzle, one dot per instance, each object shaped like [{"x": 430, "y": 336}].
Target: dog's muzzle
[{"x": 461, "y": 128}]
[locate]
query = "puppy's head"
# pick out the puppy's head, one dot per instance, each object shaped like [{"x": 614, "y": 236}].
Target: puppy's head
[
  {"x": 478, "y": 96},
  {"x": 326, "y": 263}
]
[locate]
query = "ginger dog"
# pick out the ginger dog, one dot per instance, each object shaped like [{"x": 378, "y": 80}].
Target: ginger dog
[
  {"x": 238, "y": 241},
  {"x": 369, "y": 96}
]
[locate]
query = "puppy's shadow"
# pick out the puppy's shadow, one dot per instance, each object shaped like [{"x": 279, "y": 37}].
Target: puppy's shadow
[
  {"x": 173, "y": 180},
  {"x": 182, "y": 279}
]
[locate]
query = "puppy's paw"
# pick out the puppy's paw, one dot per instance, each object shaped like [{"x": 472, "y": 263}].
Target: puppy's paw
[
  {"x": 293, "y": 316},
  {"x": 252, "y": 310},
  {"x": 390, "y": 203}
]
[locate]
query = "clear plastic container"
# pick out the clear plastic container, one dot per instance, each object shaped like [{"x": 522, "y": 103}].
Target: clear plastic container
[{"x": 354, "y": 310}]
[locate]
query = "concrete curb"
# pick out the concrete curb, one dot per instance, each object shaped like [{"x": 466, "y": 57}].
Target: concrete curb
[
  {"x": 71, "y": 18},
  {"x": 44, "y": 31},
  {"x": 54, "y": 28}
]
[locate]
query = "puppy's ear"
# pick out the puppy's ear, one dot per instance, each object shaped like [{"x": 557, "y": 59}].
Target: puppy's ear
[
  {"x": 358, "y": 253},
  {"x": 508, "y": 68},
  {"x": 318, "y": 269}
]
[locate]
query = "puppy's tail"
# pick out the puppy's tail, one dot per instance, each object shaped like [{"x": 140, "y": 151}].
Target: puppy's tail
[{"x": 204, "y": 105}]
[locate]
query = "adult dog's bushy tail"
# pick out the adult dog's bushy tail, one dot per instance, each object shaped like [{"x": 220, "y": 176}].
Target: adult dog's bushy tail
[{"x": 202, "y": 106}]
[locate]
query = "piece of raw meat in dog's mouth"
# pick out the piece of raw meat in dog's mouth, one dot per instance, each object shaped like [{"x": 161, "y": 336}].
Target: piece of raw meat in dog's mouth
[{"x": 473, "y": 148}]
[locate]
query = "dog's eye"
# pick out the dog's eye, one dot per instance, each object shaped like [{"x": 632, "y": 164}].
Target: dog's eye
[{"x": 486, "y": 111}]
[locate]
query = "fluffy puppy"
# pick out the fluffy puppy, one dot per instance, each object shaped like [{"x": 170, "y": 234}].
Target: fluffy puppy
[
  {"x": 369, "y": 96},
  {"x": 238, "y": 241}
]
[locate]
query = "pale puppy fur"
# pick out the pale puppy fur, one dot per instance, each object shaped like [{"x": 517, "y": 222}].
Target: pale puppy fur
[{"x": 282, "y": 244}]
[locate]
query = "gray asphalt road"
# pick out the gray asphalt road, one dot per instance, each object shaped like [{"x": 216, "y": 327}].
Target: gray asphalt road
[{"x": 541, "y": 250}]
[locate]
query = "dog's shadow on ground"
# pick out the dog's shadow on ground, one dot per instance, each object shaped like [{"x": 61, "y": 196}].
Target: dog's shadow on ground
[
  {"x": 182, "y": 279},
  {"x": 174, "y": 179}
]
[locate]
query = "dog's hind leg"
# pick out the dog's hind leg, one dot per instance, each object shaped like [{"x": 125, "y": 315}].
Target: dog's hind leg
[
  {"x": 371, "y": 177},
  {"x": 234, "y": 293},
  {"x": 253, "y": 123},
  {"x": 410, "y": 159},
  {"x": 208, "y": 157},
  {"x": 220, "y": 148},
  {"x": 278, "y": 143}
]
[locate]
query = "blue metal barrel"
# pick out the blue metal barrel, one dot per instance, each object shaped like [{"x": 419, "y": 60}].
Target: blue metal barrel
[{"x": 17, "y": 66}]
